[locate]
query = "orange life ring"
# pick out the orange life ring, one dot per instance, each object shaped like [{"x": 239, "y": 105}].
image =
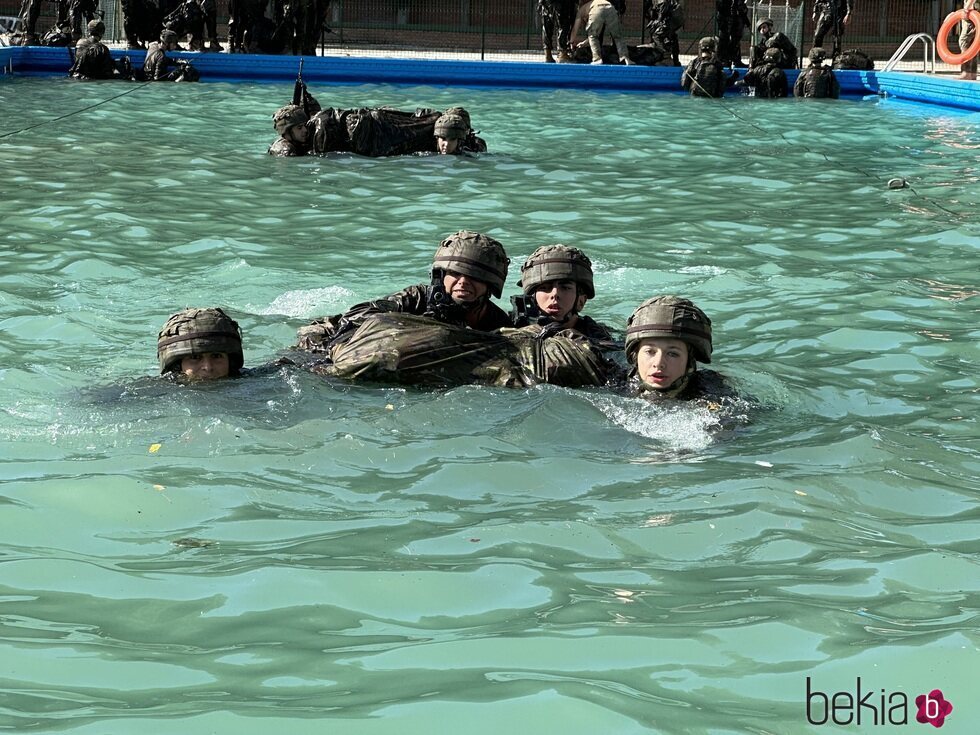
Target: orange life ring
[{"x": 942, "y": 39}]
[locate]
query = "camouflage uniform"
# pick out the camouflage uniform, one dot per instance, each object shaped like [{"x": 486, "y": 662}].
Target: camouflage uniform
[
  {"x": 705, "y": 74},
  {"x": 80, "y": 13},
  {"x": 467, "y": 253},
  {"x": 675, "y": 318},
  {"x": 199, "y": 331},
  {"x": 733, "y": 18},
  {"x": 557, "y": 17},
  {"x": 768, "y": 79},
  {"x": 557, "y": 263},
  {"x": 829, "y": 18},
  {"x": 285, "y": 118},
  {"x": 778, "y": 40},
  {"x": 141, "y": 22},
  {"x": 156, "y": 66},
  {"x": 373, "y": 132},
  {"x": 92, "y": 57},
  {"x": 817, "y": 80},
  {"x": 664, "y": 18}
]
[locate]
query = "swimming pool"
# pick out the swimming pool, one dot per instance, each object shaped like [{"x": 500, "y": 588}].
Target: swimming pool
[{"x": 378, "y": 560}]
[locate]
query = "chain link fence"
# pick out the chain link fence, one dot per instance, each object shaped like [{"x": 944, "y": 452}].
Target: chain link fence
[{"x": 511, "y": 29}]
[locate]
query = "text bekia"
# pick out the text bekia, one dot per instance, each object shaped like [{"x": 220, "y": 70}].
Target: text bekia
[{"x": 861, "y": 707}]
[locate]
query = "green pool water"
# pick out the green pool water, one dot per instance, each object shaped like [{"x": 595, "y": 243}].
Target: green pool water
[{"x": 371, "y": 559}]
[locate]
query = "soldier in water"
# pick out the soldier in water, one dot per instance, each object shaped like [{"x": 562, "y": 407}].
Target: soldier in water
[
  {"x": 817, "y": 80},
  {"x": 767, "y": 78},
  {"x": 92, "y": 57},
  {"x": 705, "y": 74},
  {"x": 468, "y": 269},
  {"x": 157, "y": 66},
  {"x": 666, "y": 338},
  {"x": 371, "y": 131},
  {"x": 557, "y": 282},
  {"x": 200, "y": 344}
]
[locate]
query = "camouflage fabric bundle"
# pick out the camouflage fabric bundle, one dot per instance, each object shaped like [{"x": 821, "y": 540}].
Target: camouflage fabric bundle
[{"x": 413, "y": 350}]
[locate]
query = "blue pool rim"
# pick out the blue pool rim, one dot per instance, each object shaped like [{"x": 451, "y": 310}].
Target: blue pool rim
[{"x": 223, "y": 67}]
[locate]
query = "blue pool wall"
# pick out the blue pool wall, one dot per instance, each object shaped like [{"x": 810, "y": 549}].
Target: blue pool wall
[{"x": 44, "y": 61}]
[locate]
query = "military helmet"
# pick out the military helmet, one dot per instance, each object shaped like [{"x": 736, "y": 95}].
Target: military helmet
[
  {"x": 773, "y": 55},
  {"x": 670, "y": 316},
  {"x": 196, "y": 331},
  {"x": 461, "y": 111},
  {"x": 817, "y": 55},
  {"x": 167, "y": 35},
  {"x": 96, "y": 27},
  {"x": 452, "y": 126},
  {"x": 474, "y": 255},
  {"x": 708, "y": 43},
  {"x": 764, "y": 22},
  {"x": 557, "y": 263},
  {"x": 288, "y": 117}
]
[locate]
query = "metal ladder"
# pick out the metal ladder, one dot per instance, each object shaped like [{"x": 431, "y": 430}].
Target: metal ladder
[{"x": 928, "y": 52}]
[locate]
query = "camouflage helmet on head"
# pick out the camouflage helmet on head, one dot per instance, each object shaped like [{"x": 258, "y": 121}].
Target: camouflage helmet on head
[
  {"x": 477, "y": 256},
  {"x": 817, "y": 55},
  {"x": 168, "y": 36},
  {"x": 773, "y": 55},
  {"x": 708, "y": 43},
  {"x": 289, "y": 116},
  {"x": 764, "y": 22},
  {"x": 461, "y": 111},
  {"x": 452, "y": 126},
  {"x": 557, "y": 263},
  {"x": 671, "y": 317},
  {"x": 96, "y": 27},
  {"x": 195, "y": 332}
]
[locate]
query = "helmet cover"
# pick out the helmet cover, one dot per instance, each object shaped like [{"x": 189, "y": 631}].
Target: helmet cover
[
  {"x": 452, "y": 127},
  {"x": 288, "y": 116},
  {"x": 471, "y": 254},
  {"x": 197, "y": 331},
  {"x": 670, "y": 317},
  {"x": 557, "y": 263}
]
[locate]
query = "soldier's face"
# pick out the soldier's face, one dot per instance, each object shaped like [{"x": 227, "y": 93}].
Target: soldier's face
[
  {"x": 556, "y": 298},
  {"x": 765, "y": 30},
  {"x": 446, "y": 146},
  {"x": 299, "y": 134},
  {"x": 463, "y": 289},
  {"x": 661, "y": 360},
  {"x": 206, "y": 366}
]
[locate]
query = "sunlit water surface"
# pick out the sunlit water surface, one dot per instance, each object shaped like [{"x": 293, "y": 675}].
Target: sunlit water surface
[{"x": 371, "y": 559}]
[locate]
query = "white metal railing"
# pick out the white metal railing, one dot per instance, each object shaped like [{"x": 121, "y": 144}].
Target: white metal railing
[{"x": 928, "y": 52}]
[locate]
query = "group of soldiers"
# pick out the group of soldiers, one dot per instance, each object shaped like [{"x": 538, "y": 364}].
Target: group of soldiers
[
  {"x": 294, "y": 27},
  {"x": 91, "y": 59},
  {"x": 450, "y": 332},
  {"x": 305, "y": 129},
  {"x": 663, "y": 19},
  {"x": 705, "y": 75}
]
